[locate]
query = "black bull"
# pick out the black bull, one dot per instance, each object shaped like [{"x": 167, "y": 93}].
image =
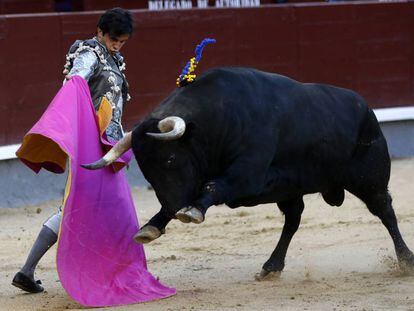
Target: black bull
[{"x": 243, "y": 137}]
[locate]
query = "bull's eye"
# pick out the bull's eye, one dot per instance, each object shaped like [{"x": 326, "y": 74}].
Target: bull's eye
[{"x": 170, "y": 160}]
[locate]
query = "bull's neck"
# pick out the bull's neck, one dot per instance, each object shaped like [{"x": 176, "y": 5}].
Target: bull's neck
[{"x": 211, "y": 144}]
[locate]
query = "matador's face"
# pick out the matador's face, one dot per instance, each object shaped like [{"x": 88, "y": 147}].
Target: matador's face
[{"x": 112, "y": 44}]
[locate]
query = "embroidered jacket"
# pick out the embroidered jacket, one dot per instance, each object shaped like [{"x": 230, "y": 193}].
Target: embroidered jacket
[{"x": 104, "y": 72}]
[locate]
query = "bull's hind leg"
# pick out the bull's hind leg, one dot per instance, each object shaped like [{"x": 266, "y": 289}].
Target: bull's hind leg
[
  {"x": 368, "y": 179},
  {"x": 380, "y": 204},
  {"x": 293, "y": 210}
]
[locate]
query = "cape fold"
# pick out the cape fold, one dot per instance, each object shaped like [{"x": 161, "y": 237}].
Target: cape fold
[{"x": 98, "y": 262}]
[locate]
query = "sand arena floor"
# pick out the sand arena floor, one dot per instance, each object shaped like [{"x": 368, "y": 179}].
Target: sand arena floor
[{"x": 342, "y": 258}]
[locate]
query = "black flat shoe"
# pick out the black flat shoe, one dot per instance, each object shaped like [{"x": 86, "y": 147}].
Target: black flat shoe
[{"x": 25, "y": 283}]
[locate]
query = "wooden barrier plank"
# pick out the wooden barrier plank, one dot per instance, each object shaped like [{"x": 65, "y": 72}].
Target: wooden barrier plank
[
  {"x": 368, "y": 47},
  {"x": 270, "y": 43},
  {"x": 30, "y": 75},
  {"x": 93, "y": 5},
  {"x": 26, "y": 6}
]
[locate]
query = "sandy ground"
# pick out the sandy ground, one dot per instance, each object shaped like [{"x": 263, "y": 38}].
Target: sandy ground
[{"x": 342, "y": 258}]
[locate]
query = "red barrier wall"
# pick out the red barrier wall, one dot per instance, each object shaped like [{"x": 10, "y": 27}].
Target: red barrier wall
[
  {"x": 44, "y": 6},
  {"x": 368, "y": 47},
  {"x": 26, "y": 6}
]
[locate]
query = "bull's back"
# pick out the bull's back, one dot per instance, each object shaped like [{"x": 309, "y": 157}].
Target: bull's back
[
  {"x": 274, "y": 97},
  {"x": 316, "y": 129},
  {"x": 315, "y": 115},
  {"x": 299, "y": 121}
]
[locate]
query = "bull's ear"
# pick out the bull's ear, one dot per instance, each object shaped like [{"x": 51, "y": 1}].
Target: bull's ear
[
  {"x": 152, "y": 125},
  {"x": 148, "y": 125},
  {"x": 190, "y": 129}
]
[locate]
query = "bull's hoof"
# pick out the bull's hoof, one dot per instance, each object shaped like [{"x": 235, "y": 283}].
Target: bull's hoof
[
  {"x": 406, "y": 262},
  {"x": 190, "y": 214},
  {"x": 406, "y": 269},
  {"x": 147, "y": 234},
  {"x": 406, "y": 266},
  {"x": 265, "y": 275},
  {"x": 182, "y": 216}
]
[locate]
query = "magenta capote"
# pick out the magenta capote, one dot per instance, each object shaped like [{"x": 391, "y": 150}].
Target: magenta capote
[{"x": 98, "y": 262}]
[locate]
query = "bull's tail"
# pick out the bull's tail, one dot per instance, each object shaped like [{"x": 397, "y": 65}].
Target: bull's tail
[
  {"x": 370, "y": 165},
  {"x": 119, "y": 149},
  {"x": 370, "y": 131}
]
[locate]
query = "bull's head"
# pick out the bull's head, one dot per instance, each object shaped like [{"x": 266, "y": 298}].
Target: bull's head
[
  {"x": 171, "y": 128},
  {"x": 168, "y": 159}
]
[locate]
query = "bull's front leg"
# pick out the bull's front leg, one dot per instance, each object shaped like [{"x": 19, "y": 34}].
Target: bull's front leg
[
  {"x": 244, "y": 178},
  {"x": 154, "y": 228},
  {"x": 196, "y": 212}
]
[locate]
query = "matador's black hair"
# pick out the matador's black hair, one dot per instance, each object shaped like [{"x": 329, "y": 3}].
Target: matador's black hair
[{"x": 116, "y": 22}]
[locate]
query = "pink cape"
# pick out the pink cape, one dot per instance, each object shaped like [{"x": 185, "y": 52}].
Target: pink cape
[{"x": 98, "y": 262}]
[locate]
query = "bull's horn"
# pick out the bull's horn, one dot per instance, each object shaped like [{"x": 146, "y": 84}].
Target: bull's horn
[
  {"x": 171, "y": 128},
  {"x": 112, "y": 155}
]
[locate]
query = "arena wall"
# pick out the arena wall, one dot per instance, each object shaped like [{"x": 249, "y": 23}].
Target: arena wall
[{"x": 365, "y": 46}]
